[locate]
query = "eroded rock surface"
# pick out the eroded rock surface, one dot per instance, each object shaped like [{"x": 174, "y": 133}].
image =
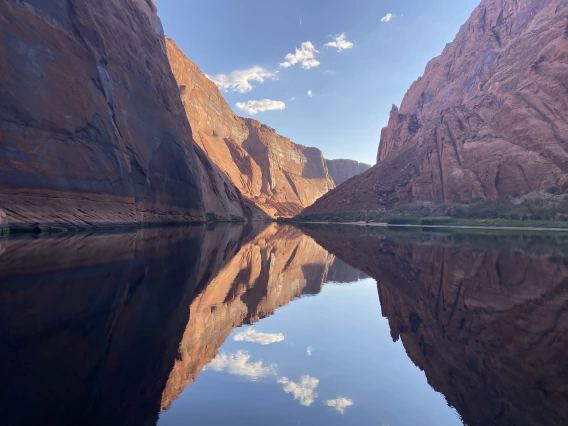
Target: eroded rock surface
[
  {"x": 92, "y": 127},
  {"x": 489, "y": 117},
  {"x": 279, "y": 176},
  {"x": 343, "y": 170}
]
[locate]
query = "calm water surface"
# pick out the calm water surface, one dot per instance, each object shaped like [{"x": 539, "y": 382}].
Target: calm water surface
[{"x": 273, "y": 325}]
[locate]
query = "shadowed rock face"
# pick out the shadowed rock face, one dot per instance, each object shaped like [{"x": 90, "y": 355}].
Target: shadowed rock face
[
  {"x": 92, "y": 126},
  {"x": 90, "y": 326},
  {"x": 343, "y": 170},
  {"x": 274, "y": 173},
  {"x": 489, "y": 117},
  {"x": 485, "y": 317}
]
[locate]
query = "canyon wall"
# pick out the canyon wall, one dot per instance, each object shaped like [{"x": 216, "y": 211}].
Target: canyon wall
[
  {"x": 277, "y": 175},
  {"x": 484, "y": 316},
  {"x": 92, "y": 127},
  {"x": 343, "y": 170},
  {"x": 489, "y": 117}
]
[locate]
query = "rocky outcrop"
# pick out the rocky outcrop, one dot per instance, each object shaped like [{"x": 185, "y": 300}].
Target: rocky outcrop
[
  {"x": 92, "y": 126},
  {"x": 269, "y": 170},
  {"x": 278, "y": 265},
  {"x": 343, "y": 170},
  {"x": 489, "y": 117},
  {"x": 484, "y": 316}
]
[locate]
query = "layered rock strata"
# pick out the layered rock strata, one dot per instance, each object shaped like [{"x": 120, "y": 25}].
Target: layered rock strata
[{"x": 489, "y": 117}]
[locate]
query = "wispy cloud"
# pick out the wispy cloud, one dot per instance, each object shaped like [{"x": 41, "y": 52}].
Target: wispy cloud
[
  {"x": 309, "y": 351},
  {"x": 310, "y": 94},
  {"x": 339, "y": 404},
  {"x": 254, "y": 107},
  {"x": 239, "y": 364},
  {"x": 251, "y": 335},
  {"x": 340, "y": 43},
  {"x": 304, "y": 391},
  {"x": 387, "y": 18},
  {"x": 329, "y": 72},
  {"x": 305, "y": 56},
  {"x": 240, "y": 80}
]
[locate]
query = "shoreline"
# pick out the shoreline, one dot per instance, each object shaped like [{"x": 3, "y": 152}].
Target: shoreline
[{"x": 481, "y": 227}]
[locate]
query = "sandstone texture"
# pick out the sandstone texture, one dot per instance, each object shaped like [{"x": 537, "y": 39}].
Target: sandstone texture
[
  {"x": 343, "y": 170},
  {"x": 277, "y": 175},
  {"x": 91, "y": 124},
  {"x": 489, "y": 117},
  {"x": 484, "y": 316}
]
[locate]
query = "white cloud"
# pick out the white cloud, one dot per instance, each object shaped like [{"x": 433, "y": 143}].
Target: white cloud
[
  {"x": 309, "y": 351},
  {"x": 239, "y": 364},
  {"x": 240, "y": 81},
  {"x": 303, "y": 391},
  {"x": 254, "y": 107},
  {"x": 339, "y": 404},
  {"x": 310, "y": 94},
  {"x": 340, "y": 43},
  {"x": 330, "y": 72},
  {"x": 387, "y": 18},
  {"x": 305, "y": 56},
  {"x": 251, "y": 335}
]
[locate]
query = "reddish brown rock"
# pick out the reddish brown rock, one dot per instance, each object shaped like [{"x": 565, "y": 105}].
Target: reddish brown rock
[
  {"x": 489, "y": 118},
  {"x": 91, "y": 125},
  {"x": 269, "y": 170},
  {"x": 343, "y": 170}
]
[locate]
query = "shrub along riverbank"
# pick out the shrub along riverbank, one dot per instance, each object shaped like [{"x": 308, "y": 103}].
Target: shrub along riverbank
[{"x": 532, "y": 210}]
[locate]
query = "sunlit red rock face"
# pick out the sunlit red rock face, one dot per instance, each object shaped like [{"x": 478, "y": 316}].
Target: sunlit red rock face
[
  {"x": 280, "y": 264},
  {"x": 489, "y": 117},
  {"x": 485, "y": 317},
  {"x": 276, "y": 174},
  {"x": 92, "y": 127}
]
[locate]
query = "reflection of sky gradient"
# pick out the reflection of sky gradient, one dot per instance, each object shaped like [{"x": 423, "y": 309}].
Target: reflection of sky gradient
[
  {"x": 356, "y": 377},
  {"x": 253, "y": 336}
]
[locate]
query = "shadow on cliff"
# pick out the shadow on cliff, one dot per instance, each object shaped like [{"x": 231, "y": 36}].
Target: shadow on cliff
[{"x": 485, "y": 316}]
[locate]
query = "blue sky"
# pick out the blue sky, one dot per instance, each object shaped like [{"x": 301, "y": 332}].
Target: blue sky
[{"x": 352, "y": 88}]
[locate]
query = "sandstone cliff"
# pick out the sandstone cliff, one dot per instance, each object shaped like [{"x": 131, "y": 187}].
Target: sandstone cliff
[
  {"x": 343, "y": 170},
  {"x": 489, "y": 117},
  {"x": 276, "y": 174},
  {"x": 484, "y": 316},
  {"x": 92, "y": 127}
]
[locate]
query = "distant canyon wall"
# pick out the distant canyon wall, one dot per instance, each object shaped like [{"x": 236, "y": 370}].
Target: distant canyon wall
[
  {"x": 343, "y": 170},
  {"x": 489, "y": 117}
]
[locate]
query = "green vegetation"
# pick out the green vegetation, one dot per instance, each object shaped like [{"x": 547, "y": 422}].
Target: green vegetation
[{"x": 533, "y": 210}]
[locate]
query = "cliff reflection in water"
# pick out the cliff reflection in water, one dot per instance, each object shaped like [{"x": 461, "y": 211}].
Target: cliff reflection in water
[
  {"x": 109, "y": 329},
  {"x": 485, "y": 316}
]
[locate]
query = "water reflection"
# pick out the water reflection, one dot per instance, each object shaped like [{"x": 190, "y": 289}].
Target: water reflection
[
  {"x": 485, "y": 316},
  {"x": 196, "y": 326}
]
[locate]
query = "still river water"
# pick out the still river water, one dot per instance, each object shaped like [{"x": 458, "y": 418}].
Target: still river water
[{"x": 275, "y": 325}]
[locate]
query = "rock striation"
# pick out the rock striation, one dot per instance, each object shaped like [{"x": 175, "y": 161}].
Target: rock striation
[
  {"x": 269, "y": 170},
  {"x": 489, "y": 117},
  {"x": 342, "y": 170},
  {"x": 91, "y": 124}
]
